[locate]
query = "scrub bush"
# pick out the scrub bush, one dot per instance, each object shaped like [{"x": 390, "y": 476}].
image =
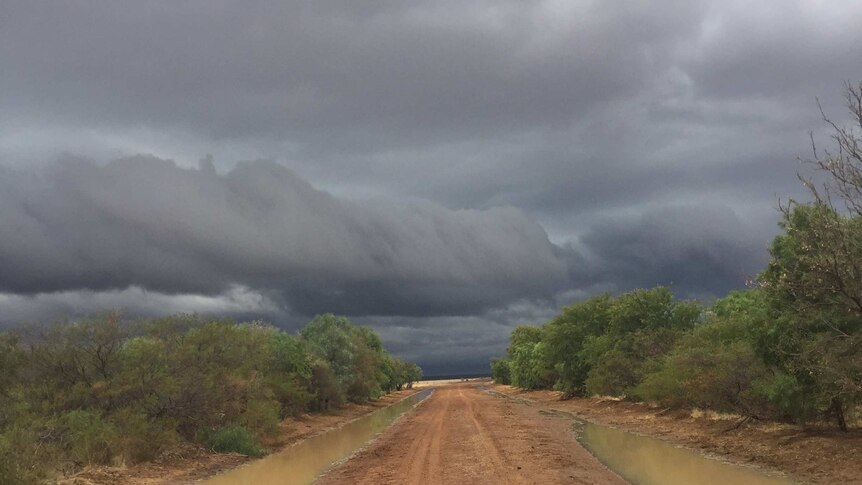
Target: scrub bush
[{"x": 232, "y": 439}]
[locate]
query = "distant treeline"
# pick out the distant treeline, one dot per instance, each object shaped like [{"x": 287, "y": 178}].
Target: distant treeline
[
  {"x": 753, "y": 352},
  {"x": 789, "y": 348},
  {"x": 101, "y": 391}
]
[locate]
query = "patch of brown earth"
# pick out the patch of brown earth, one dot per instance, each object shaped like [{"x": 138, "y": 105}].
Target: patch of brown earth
[
  {"x": 813, "y": 454},
  {"x": 461, "y": 434}
]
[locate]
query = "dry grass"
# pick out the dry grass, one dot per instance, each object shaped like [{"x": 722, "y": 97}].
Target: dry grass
[{"x": 714, "y": 416}]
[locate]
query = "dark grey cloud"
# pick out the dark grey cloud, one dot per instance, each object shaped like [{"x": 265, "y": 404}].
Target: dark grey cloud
[
  {"x": 698, "y": 251},
  {"x": 240, "y": 303},
  {"x": 463, "y": 343},
  {"x": 291, "y": 68},
  {"x": 146, "y": 222},
  {"x": 450, "y": 161}
]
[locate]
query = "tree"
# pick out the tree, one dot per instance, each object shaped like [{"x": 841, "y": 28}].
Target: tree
[
  {"x": 332, "y": 339},
  {"x": 290, "y": 370},
  {"x": 815, "y": 337},
  {"x": 101, "y": 390},
  {"x": 500, "y": 371},
  {"x": 565, "y": 336},
  {"x": 603, "y": 345},
  {"x": 413, "y": 374},
  {"x": 716, "y": 366},
  {"x": 327, "y": 394},
  {"x": 842, "y": 165},
  {"x": 527, "y": 362},
  {"x": 73, "y": 365},
  {"x": 355, "y": 355},
  {"x": 814, "y": 282},
  {"x": 642, "y": 326}
]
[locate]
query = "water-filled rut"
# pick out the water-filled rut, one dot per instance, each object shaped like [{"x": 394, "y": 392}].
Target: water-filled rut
[
  {"x": 303, "y": 462},
  {"x": 642, "y": 460}
]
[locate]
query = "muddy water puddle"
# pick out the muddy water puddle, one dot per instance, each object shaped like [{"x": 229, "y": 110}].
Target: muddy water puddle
[
  {"x": 303, "y": 462},
  {"x": 642, "y": 460}
]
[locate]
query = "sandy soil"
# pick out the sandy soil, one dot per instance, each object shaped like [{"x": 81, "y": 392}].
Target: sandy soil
[
  {"x": 192, "y": 463},
  {"x": 444, "y": 382},
  {"x": 461, "y": 434},
  {"x": 817, "y": 455}
]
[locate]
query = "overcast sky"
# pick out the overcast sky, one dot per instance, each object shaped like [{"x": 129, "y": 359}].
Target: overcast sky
[{"x": 442, "y": 171}]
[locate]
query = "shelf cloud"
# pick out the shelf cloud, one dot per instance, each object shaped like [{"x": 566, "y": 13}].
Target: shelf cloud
[{"x": 146, "y": 222}]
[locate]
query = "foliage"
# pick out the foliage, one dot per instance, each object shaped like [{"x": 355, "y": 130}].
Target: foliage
[
  {"x": 814, "y": 283},
  {"x": 232, "y": 439},
  {"x": 715, "y": 366},
  {"x": 86, "y": 436},
  {"x": 24, "y": 454},
  {"x": 815, "y": 292},
  {"x": 327, "y": 393},
  {"x": 355, "y": 356},
  {"x": 603, "y": 345},
  {"x": 105, "y": 391},
  {"x": 500, "y": 371},
  {"x": 143, "y": 438},
  {"x": 401, "y": 374},
  {"x": 752, "y": 352},
  {"x": 412, "y": 374},
  {"x": 646, "y": 345},
  {"x": 565, "y": 336},
  {"x": 527, "y": 359},
  {"x": 644, "y": 326}
]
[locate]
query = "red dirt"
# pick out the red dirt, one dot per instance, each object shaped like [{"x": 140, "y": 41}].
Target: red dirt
[{"x": 461, "y": 434}]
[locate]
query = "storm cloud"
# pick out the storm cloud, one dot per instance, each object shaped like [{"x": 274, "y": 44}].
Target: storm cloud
[
  {"x": 146, "y": 222},
  {"x": 698, "y": 251},
  {"x": 149, "y": 237},
  {"x": 439, "y": 170}
]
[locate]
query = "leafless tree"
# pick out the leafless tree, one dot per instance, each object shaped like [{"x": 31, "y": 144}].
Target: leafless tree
[{"x": 843, "y": 163}]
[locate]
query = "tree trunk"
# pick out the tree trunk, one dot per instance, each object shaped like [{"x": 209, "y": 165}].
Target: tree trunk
[{"x": 838, "y": 410}]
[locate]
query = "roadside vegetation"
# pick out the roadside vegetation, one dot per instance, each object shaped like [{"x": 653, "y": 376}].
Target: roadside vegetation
[
  {"x": 104, "y": 391},
  {"x": 788, "y": 348}
]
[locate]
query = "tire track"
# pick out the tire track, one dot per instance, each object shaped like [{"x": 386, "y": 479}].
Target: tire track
[{"x": 463, "y": 435}]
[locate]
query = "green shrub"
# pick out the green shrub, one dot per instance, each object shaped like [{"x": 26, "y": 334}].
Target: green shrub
[
  {"x": 261, "y": 416},
  {"x": 86, "y": 436},
  {"x": 140, "y": 438},
  {"x": 613, "y": 375},
  {"x": 21, "y": 461},
  {"x": 709, "y": 375},
  {"x": 500, "y": 371},
  {"x": 716, "y": 366},
  {"x": 293, "y": 397},
  {"x": 232, "y": 439},
  {"x": 326, "y": 391},
  {"x": 528, "y": 364},
  {"x": 794, "y": 400},
  {"x": 103, "y": 392}
]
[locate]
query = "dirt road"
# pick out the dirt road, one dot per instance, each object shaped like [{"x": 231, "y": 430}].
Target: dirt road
[{"x": 463, "y": 435}]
